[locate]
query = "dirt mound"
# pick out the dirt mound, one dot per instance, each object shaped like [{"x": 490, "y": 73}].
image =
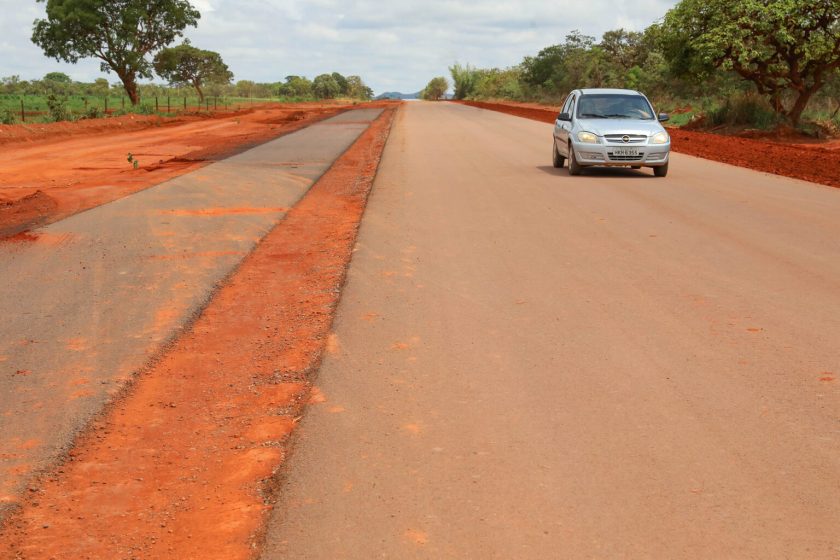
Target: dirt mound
[{"x": 24, "y": 213}]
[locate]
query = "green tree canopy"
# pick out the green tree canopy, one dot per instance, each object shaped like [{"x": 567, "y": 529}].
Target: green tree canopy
[
  {"x": 627, "y": 49},
  {"x": 58, "y": 77},
  {"x": 781, "y": 46},
  {"x": 342, "y": 83},
  {"x": 186, "y": 64},
  {"x": 464, "y": 79},
  {"x": 357, "y": 89},
  {"x": 121, "y": 33},
  {"x": 101, "y": 86},
  {"x": 325, "y": 87},
  {"x": 435, "y": 89},
  {"x": 295, "y": 86}
]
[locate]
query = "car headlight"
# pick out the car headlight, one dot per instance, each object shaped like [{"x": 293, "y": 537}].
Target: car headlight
[
  {"x": 587, "y": 138},
  {"x": 659, "y": 138}
]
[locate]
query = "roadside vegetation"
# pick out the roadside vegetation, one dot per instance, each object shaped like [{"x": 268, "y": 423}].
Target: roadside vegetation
[
  {"x": 56, "y": 97},
  {"x": 131, "y": 39},
  {"x": 435, "y": 89},
  {"x": 711, "y": 63}
]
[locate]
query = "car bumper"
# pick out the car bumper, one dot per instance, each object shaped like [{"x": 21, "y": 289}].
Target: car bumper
[{"x": 603, "y": 154}]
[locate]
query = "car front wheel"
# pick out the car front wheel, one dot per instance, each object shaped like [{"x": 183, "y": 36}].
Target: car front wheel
[
  {"x": 661, "y": 171},
  {"x": 558, "y": 160},
  {"x": 574, "y": 167}
]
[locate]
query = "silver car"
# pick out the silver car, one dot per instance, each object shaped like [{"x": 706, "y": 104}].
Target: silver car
[{"x": 614, "y": 127}]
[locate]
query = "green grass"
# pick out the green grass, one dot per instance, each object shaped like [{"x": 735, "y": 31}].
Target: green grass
[
  {"x": 680, "y": 119},
  {"x": 37, "y": 109}
]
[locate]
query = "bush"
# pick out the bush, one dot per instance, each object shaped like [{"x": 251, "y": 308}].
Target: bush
[
  {"x": 464, "y": 79},
  {"x": 746, "y": 109},
  {"x": 8, "y": 117},
  {"x": 57, "y": 105},
  {"x": 144, "y": 109},
  {"x": 93, "y": 113}
]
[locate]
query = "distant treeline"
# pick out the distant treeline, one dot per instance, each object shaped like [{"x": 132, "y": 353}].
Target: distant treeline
[
  {"x": 325, "y": 86},
  {"x": 780, "y": 61}
]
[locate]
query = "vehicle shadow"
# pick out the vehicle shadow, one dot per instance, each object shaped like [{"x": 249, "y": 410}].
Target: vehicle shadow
[{"x": 643, "y": 173}]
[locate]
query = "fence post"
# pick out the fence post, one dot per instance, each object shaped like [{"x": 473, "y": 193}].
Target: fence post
[
  {"x": 185, "y": 103},
  {"x": 22, "y": 111},
  {"x": 157, "y": 107},
  {"x": 168, "y": 106},
  {"x": 215, "y": 103},
  {"x": 123, "y": 101},
  {"x": 207, "y": 102}
]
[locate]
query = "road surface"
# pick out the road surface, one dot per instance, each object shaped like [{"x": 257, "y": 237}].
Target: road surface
[
  {"x": 530, "y": 365},
  {"x": 88, "y": 301}
]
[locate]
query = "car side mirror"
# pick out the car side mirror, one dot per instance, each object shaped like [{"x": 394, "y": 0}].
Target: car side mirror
[
  {"x": 663, "y": 117},
  {"x": 564, "y": 117}
]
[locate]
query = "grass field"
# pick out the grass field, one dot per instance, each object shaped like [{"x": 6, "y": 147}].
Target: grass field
[{"x": 35, "y": 108}]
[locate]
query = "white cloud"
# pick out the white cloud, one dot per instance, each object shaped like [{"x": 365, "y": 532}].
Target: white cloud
[{"x": 396, "y": 45}]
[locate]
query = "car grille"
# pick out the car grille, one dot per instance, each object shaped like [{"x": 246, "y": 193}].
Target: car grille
[
  {"x": 619, "y": 138},
  {"x": 626, "y": 158}
]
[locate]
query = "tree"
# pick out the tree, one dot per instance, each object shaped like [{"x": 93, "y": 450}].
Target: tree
[
  {"x": 245, "y": 88},
  {"x": 57, "y": 83},
  {"x": 832, "y": 91},
  {"x": 11, "y": 84},
  {"x": 435, "y": 89},
  {"x": 782, "y": 46},
  {"x": 101, "y": 87},
  {"x": 571, "y": 64},
  {"x": 121, "y": 33},
  {"x": 357, "y": 89},
  {"x": 58, "y": 77},
  {"x": 625, "y": 48},
  {"x": 464, "y": 79},
  {"x": 325, "y": 87},
  {"x": 342, "y": 83},
  {"x": 295, "y": 86},
  {"x": 186, "y": 64}
]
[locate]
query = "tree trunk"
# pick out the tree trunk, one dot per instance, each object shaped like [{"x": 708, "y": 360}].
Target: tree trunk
[
  {"x": 197, "y": 86},
  {"x": 129, "y": 81},
  {"x": 795, "y": 113}
]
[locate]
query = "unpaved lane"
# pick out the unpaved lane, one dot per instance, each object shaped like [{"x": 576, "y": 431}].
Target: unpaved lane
[
  {"x": 528, "y": 365},
  {"x": 87, "y": 301}
]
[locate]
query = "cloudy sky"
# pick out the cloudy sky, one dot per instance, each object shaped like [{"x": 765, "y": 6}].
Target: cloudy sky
[{"x": 395, "y": 45}]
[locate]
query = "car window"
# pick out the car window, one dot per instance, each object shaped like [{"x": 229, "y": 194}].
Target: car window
[
  {"x": 566, "y": 103},
  {"x": 572, "y": 106},
  {"x": 614, "y": 106}
]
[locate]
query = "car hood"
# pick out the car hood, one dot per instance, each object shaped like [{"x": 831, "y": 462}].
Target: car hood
[{"x": 619, "y": 126}]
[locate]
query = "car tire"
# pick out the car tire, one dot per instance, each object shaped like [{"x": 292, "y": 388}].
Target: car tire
[
  {"x": 661, "y": 171},
  {"x": 557, "y": 160},
  {"x": 574, "y": 167}
]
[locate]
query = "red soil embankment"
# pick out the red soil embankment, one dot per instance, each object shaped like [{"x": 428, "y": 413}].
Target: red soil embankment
[
  {"x": 70, "y": 167},
  {"x": 811, "y": 162},
  {"x": 182, "y": 467}
]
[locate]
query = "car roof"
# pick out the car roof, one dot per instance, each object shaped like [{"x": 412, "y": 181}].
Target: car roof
[{"x": 608, "y": 91}]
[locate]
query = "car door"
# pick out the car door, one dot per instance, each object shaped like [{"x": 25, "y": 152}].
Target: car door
[{"x": 562, "y": 129}]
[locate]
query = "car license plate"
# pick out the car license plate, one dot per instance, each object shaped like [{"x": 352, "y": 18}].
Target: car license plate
[{"x": 625, "y": 152}]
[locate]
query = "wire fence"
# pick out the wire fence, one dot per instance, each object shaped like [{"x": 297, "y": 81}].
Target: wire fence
[{"x": 31, "y": 108}]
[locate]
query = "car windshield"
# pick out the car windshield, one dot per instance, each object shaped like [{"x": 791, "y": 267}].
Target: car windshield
[{"x": 614, "y": 106}]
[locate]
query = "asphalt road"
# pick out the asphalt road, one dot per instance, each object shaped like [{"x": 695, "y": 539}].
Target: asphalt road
[
  {"x": 531, "y": 365},
  {"x": 88, "y": 301}
]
